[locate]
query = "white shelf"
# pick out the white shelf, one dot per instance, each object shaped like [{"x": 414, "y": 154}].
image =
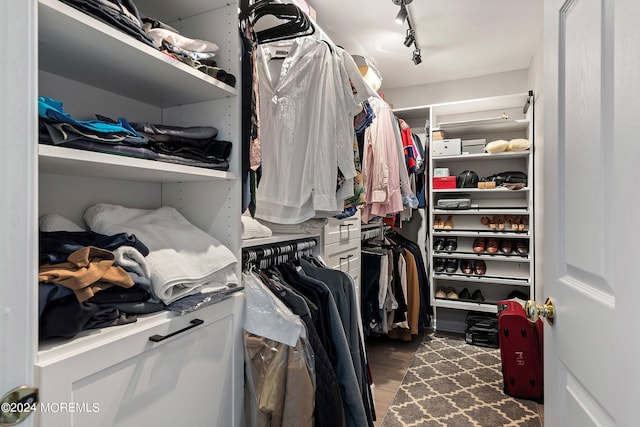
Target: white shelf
[
  {"x": 69, "y": 161},
  {"x": 483, "y": 156},
  {"x": 499, "y": 256},
  {"x": 453, "y": 130},
  {"x": 492, "y": 191},
  {"x": 507, "y": 234},
  {"x": 485, "y": 306},
  {"x": 481, "y": 212},
  {"x": 484, "y": 279},
  {"x": 119, "y": 63},
  {"x": 276, "y": 238}
]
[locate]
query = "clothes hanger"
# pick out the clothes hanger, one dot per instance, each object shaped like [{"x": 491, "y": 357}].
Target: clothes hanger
[{"x": 296, "y": 23}]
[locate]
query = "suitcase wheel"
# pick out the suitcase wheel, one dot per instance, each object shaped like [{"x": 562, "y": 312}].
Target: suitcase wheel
[
  {"x": 532, "y": 381},
  {"x": 512, "y": 380},
  {"x": 506, "y": 332}
]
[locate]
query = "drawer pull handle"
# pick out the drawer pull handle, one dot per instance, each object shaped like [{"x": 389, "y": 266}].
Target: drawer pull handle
[
  {"x": 158, "y": 338},
  {"x": 348, "y": 259}
]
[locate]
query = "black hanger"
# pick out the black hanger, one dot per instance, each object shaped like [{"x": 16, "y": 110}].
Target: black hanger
[{"x": 296, "y": 23}]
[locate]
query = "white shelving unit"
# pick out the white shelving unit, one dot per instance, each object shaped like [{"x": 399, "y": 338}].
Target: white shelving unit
[
  {"x": 196, "y": 376},
  {"x": 505, "y": 273}
]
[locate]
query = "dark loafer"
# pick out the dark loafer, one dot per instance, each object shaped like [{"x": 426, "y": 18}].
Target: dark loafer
[
  {"x": 479, "y": 244},
  {"x": 452, "y": 265},
  {"x": 451, "y": 245},
  {"x": 521, "y": 247},
  {"x": 506, "y": 246},
  {"x": 466, "y": 266},
  {"x": 464, "y": 294},
  {"x": 477, "y": 295},
  {"x": 480, "y": 268},
  {"x": 492, "y": 245}
]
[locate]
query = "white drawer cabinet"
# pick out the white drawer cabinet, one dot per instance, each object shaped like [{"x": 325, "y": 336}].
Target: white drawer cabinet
[
  {"x": 342, "y": 246},
  {"x": 132, "y": 381},
  {"x": 193, "y": 378}
]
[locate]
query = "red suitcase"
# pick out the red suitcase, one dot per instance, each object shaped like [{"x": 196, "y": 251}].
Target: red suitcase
[{"x": 521, "y": 352}]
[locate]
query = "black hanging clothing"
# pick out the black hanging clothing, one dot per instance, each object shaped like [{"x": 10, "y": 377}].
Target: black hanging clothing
[{"x": 328, "y": 409}]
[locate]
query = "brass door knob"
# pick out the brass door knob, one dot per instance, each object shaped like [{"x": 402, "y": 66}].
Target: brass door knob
[
  {"x": 17, "y": 404},
  {"x": 535, "y": 311}
]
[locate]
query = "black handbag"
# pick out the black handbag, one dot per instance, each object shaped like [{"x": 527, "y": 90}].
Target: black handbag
[
  {"x": 510, "y": 177},
  {"x": 467, "y": 179}
]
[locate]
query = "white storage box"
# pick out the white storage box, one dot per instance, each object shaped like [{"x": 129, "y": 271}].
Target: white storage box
[
  {"x": 446, "y": 147},
  {"x": 473, "y": 146},
  {"x": 441, "y": 172}
]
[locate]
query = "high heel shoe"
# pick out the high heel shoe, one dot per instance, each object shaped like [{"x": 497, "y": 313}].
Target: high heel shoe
[
  {"x": 437, "y": 223},
  {"x": 448, "y": 225},
  {"x": 508, "y": 220},
  {"x": 500, "y": 223},
  {"x": 492, "y": 223},
  {"x": 523, "y": 224},
  {"x": 514, "y": 224}
]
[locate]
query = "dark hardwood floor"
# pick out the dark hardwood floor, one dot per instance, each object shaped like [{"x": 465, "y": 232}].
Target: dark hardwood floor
[{"x": 389, "y": 361}]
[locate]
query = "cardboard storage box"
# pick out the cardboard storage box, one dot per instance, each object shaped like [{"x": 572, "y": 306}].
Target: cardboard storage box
[
  {"x": 473, "y": 146},
  {"x": 444, "y": 182},
  {"x": 446, "y": 147},
  {"x": 438, "y": 134}
]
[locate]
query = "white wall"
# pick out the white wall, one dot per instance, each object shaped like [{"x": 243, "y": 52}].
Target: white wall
[
  {"x": 506, "y": 83},
  {"x": 536, "y": 78}
]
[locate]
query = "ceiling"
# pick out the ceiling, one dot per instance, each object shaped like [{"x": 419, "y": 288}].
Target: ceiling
[{"x": 458, "y": 39}]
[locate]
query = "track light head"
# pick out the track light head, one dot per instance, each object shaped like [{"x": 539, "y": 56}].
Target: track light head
[
  {"x": 402, "y": 15},
  {"x": 417, "y": 57},
  {"x": 410, "y": 38}
]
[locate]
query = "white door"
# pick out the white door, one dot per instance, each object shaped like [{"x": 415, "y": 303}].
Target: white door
[
  {"x": 591, "y": 230},
  {"x": 18, "y": 204}
]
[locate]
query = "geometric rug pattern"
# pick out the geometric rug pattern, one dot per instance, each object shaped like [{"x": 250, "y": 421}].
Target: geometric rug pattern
[{"x": 454, "y": 384}]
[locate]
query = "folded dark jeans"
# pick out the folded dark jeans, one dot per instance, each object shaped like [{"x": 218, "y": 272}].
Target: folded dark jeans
[
  {"x": 214, "y": 150},
  {"x": 192, "y": 132},
  {"x": 55, "y": 246},
  {"x": 113, "y": 17}
]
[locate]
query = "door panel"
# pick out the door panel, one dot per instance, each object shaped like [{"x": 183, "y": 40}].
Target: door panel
[
  {"x": 18, "y": 219},
  {"x": 590, "y": 79}
]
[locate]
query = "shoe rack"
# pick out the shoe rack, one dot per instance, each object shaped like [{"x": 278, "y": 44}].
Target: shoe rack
[{"x": 483, "y": 253}]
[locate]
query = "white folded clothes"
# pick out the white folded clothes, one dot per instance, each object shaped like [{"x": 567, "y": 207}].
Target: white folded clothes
[{"x": 182, "y": 258}]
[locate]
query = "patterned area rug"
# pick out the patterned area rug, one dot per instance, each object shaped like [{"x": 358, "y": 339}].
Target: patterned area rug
[{"x": 453, "y": 384}]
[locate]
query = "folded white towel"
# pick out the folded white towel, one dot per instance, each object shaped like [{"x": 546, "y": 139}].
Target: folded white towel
[
  {"x": 310, "y": 226},
  {"x": 55, "y": 222},
  {"x": 131, "y": 260},
  {"x": 252, "y": 229},
  {"x": 182, "y": 258}
]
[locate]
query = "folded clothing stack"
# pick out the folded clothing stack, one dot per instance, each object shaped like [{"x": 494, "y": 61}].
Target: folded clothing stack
[
  {"x": 120, "y": 14},
  {"x": 183, "y": 260},
  {"x": 196, "y": 53},
  {"x": 194, "y": 146}
]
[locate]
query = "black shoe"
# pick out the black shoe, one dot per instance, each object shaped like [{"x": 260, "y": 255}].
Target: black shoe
[
  {"x": 464, "y": 294},
  {"x": 477, "y": 295},
  {"x": 438, "y": 244},
  {"x": 452, "y": 265},
  {"x": 438, "y": 265},
  {"x": 451, "y": 244}
]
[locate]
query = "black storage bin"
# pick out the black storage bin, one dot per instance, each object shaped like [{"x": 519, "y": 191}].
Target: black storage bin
[{"x": 482, "y": 329}]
